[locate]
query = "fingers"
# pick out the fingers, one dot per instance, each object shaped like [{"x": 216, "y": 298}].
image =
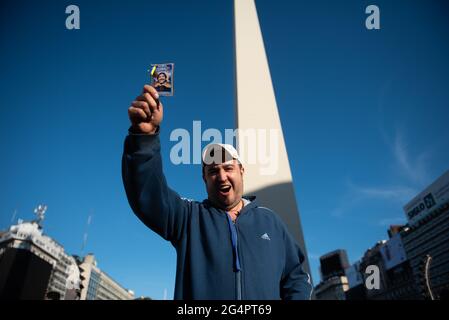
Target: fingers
[
  {"x": 146, "y": 108},
  {"x": 142, "y": 105},
  {"x": 136, "y": 115},
  {"x": 150, "y": 90},
  {"x": 149, "y": 100},
  {"x": 150, "y": 94}
]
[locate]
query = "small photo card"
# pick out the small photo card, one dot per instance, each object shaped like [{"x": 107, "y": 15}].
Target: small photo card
[{"x": 162, "y": 78}]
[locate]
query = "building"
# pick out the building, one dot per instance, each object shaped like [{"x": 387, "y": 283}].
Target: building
[
  {"x": 428, "y": 235},
  {"x": 334, "y": 264},
  {"x": 47, "y": 275},
  {"x": 333, "y": 288},
  {"x": 395, "y": 277},
  {"x": 334, "y": 282},
  {"x": 35, "y": 266},
  {"x": 97, "y": 285},
  {"x": 402, "y": 259},
  {"x": 356, "y": 282},
  {"x": 23, "y": 275}
]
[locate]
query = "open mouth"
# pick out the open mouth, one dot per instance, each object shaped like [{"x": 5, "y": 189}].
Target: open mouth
[{"x": 224, "y": 190}]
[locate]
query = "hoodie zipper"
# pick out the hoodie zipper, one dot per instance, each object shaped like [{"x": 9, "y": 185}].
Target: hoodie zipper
[
  {"x": 238, "y": 280},
  {"x": 238, "y": 275},
  {"x": 237, "y": 266}
]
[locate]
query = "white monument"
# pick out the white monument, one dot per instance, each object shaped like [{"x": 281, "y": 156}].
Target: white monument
[{"x": 256, "y": 109}]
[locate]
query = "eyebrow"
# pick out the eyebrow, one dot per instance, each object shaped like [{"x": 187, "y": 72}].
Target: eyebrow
[{"x": 215, "y": 166}]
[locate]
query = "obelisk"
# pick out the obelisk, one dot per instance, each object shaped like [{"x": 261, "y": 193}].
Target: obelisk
[{"x": 257, "y": 112}]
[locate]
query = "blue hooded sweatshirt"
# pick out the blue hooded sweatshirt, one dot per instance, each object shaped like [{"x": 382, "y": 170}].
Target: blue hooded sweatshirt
[{"x": 254, "y": 257}]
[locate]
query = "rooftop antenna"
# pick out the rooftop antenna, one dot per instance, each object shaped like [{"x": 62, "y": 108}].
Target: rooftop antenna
[
  {"x": 89, "y": 220},
  {"x": 13, "y": 216},
  {"x": 40, "y": 214}
]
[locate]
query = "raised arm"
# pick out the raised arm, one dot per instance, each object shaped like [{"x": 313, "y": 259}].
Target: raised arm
[{"x": 156, "y": 205}]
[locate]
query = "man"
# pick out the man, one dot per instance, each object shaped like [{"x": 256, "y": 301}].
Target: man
[
  {"x": 227, "y": 246},
  {"x": 162, "y": 85}
]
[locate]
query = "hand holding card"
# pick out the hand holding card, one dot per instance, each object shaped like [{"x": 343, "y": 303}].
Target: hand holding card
[{"x": 146, "y": 112}]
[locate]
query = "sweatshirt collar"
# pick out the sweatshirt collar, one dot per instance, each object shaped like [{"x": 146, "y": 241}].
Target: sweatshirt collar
[{"x": 248, "y": 203}]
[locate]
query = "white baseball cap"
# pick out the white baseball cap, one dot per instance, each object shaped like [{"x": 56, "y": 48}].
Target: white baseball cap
[{"x": 212, "y": 153}]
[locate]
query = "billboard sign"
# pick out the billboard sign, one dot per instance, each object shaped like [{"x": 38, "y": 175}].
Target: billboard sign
[{"x": 429, "y": 199}]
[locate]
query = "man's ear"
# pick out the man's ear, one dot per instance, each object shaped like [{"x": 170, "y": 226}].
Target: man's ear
[{"x": 242, "y": 170}]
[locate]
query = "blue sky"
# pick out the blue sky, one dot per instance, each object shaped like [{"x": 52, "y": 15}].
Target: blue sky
[{"x": 364, "y": 115}]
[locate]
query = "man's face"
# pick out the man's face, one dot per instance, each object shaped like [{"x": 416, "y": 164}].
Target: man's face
[
  {"x": 161, "y": 78},
  {"x": 224, "y": 183}
]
